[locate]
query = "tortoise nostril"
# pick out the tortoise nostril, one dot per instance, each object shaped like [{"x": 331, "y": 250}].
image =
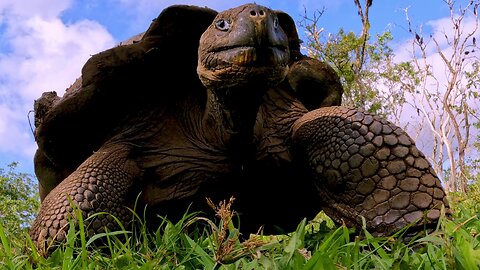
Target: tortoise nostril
[{"x": 257, "y": 13}]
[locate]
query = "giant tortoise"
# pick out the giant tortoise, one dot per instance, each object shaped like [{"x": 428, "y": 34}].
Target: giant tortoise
[{"x": 215, "y": 105}]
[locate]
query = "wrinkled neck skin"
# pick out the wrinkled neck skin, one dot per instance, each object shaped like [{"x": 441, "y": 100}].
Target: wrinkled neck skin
[{"x": 230, "y": 115}]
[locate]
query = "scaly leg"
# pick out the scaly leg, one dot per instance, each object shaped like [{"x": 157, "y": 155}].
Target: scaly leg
[
  {"x": 365, "y": 166},
  {"x": 101, "y": 183}
]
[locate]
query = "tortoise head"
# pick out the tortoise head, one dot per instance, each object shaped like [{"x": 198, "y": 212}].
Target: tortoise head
[{"x": 243, "y": 45}]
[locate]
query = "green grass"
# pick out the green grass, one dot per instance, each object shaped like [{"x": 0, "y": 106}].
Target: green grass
[{"x": 195, "y": 242}]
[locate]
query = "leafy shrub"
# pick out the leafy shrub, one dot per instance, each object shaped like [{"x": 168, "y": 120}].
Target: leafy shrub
[{"x": 19, "y": 200}]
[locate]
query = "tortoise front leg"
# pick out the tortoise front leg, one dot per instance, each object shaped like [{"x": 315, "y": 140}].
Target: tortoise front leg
[
  {"x": 100, "y": 184},
  {"x": 365, "y": 166}
]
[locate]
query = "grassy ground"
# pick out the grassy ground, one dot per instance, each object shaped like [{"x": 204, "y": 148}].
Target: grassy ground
[{"x": 198, "y": 243}]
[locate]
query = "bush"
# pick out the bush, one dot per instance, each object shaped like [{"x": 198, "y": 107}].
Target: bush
[{"x": 19, "y": 200}]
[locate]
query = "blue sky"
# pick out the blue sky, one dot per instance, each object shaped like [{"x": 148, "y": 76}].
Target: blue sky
[{"x": 44, "y": 44}]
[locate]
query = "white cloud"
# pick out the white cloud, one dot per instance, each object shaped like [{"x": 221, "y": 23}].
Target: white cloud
[
  {"x": 44, "y": 54},
  {"x": 11, "y": 11},
  {"x": 444, "y": 27},
  {"x": 14, "y": 139},
  {"x": 48, "y": 55}
]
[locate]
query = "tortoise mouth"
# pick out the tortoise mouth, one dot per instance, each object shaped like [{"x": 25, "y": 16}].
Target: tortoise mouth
[
  {"x": 241, "y": 65},
  {"x": 244, "y": 55}
]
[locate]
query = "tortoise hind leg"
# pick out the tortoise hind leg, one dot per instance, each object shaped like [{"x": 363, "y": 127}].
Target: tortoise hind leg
[
  {"x": 101, "y": 183},
  {"x": 365, "y": 166}
]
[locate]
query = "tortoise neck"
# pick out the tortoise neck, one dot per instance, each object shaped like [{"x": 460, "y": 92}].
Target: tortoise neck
[{"x": 230, "y": 116}]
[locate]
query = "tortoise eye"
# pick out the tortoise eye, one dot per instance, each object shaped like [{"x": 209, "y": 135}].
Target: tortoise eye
[
  {"x": 275, "y": 22},
  {"x": 222, "y": 25}
]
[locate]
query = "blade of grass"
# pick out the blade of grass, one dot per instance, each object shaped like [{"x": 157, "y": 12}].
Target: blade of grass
[
  {"x": 69, "y": 246},
  {"x": 97, "y": 236},
  {"x": 34, "y": 254},
  {"x": 207, "y": 261},
  {"x": 296, "y": 240},
  {"x": 83, "y": 250},
  {"x": 385, "y": 260},
  {"x": 328, "y": 243},
  {"x": 320, "y": 260},
  {"x": 7, "y": 248}
]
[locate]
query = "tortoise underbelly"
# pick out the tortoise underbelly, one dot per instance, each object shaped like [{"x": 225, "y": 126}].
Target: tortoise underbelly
[{"x": 264, "y": 191}]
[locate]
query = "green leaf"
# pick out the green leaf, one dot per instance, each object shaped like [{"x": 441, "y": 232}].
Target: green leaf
[
  {"x": 207, "y": 261},
  {"x": 320, "y": 261},
  {"x": 297, "y": 238}
]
